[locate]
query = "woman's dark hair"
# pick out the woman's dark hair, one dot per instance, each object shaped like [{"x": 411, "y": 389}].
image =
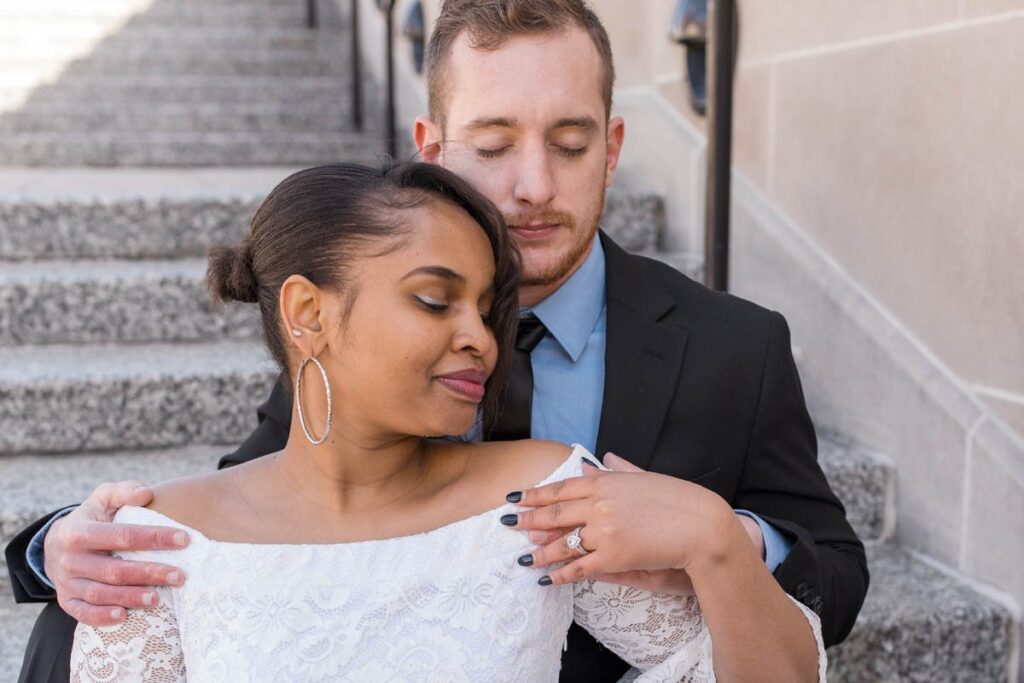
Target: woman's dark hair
[{"x": 316, "y": 222}]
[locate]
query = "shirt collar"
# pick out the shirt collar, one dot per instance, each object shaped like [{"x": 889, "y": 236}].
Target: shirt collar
[{"x": 572, "y": 311}]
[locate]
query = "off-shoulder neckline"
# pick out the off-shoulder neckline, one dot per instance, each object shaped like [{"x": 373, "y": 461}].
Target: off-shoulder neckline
[{"x": 195, "y": 533}]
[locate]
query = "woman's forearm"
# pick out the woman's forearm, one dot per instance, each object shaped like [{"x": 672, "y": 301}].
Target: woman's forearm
[{"x": 757, "y": 632}]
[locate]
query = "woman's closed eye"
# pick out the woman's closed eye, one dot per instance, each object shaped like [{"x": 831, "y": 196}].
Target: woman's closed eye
[{"x": 431, "y": 304}]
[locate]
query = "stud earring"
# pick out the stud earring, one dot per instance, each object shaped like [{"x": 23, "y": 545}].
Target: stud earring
[{"x": 296, "y": 333}]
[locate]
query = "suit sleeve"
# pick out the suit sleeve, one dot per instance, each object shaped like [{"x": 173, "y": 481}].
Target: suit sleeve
[
  {"x": 826, "y": 569},
  {"x": 271, "y": 434},
  {"x": 24, "y": 583}
]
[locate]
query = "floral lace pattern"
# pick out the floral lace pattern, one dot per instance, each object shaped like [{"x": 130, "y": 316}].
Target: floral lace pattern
[{"x": 450, "y": 604}]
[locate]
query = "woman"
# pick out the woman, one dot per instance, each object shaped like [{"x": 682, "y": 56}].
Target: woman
[{"x": 365, "y": 550}]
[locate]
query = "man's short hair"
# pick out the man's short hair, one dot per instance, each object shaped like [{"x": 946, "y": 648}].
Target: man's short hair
[{"x": 490, "y": 23}]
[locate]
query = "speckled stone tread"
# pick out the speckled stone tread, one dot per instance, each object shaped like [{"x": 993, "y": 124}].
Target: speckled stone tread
[
  {"x": 66, "y": 398},
  {"x": 244, "y": 148},
  {"x": 61, "y": 302},
  {"x": 167, "y": 213},
  {"x": 919, "y": 624},
  {"x": 171, "y": 117},
  {"x": 865, "y": 483},
  {"x": 158, "y": 90}
]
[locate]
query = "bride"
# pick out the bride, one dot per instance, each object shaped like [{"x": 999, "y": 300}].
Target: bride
[{"x": 366, "y": 550}]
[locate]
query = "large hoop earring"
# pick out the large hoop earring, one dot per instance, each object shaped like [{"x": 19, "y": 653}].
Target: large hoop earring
[{"x": 298, "y": 401}]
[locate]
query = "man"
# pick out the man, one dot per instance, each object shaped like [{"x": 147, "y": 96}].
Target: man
[{"x": 679, "y": 380}]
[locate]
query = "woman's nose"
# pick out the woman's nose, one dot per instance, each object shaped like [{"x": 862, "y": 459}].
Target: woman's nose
[{"x": 473, "y": 334}]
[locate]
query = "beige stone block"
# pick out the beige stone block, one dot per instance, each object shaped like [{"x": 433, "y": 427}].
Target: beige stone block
[
  {"x": 751, "y": 121},
  {"x": 903, "y": 160},
  {"x": 769, "y": 29},
  {"x": 665, "y": 153},
  {"x": 994, "y": 524},
  {"x": 857, "y": 384},
  {"x": 667, "y": 57},
  {"x": 978, "y": 8},
  {"x": 677, "y": 95},
  {"x": 1010, "y": 411},
  {"x": 627, "y": 29}
]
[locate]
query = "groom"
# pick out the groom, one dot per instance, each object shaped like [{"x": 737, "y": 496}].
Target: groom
[{"x": 677, "y": 379}]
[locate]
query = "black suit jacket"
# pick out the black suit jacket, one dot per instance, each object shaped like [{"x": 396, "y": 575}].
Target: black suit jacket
[{"x": 698, "y": 385}]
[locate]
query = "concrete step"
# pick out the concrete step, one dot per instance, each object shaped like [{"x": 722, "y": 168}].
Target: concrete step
[
  {"x": 256, "y": 62},
  {"x": 100, "y": 15},
  {"x": 167, "y": 213},
  {"x": 865, "y": 482},
  {"x": 127, "y": 212},
  {"x": 922, "y": 624},
  {"x": 61, "y": 36},
  {"x": 197, "y": 118},
  {"x": 68, "y": 398},
  {"x": 186, "y": 149},
  {"x": 69, "y": 302},
  {"x": 20, "y": 92}
]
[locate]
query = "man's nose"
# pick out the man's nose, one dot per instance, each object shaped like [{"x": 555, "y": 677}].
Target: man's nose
[{"x": 535, "y": 183}]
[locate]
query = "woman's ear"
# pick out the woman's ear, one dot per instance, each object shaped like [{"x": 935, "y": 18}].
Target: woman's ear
[{"x": 301, "y": 306}]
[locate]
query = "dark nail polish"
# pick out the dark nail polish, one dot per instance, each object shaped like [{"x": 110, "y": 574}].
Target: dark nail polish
[
  {"x": 525, "y": 560},
  {"x": 514, "y": 497},
  {"x": 510, "y": 520},
  {"x": 544, "y": 580},
  {"x": 590, "y": 462}
]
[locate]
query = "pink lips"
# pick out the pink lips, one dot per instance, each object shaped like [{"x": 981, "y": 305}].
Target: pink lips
[
  {"x": 469, "y": 383},
  {"x": 534, "y": 231}
]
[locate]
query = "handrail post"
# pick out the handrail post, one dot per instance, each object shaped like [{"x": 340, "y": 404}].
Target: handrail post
[
  {"x": 392, "y": 134},
  {"x": 721, "y": 49},
  {"x": 357, "y": 69},
  {"x": 312, "y": 20}
]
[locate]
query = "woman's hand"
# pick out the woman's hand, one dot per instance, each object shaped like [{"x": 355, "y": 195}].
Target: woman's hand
[{"x": 644, "y": 528}]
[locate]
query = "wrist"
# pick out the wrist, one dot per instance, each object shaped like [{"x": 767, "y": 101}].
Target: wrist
[{"x": 726, "y": 540}]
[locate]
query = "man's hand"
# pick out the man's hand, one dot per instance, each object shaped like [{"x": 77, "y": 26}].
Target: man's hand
[
  {"x": 672, "y": 580},
  {"x": 92, "y": 586}
]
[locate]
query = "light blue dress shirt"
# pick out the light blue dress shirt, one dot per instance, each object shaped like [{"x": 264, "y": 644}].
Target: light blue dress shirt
[{"x": 568, "y": 383}]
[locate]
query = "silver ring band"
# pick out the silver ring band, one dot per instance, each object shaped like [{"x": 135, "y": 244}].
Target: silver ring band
[{"x": 574, "y": 541}]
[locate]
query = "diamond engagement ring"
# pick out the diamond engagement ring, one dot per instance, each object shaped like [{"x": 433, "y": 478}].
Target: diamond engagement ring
[{"x": 574, "y": 541}]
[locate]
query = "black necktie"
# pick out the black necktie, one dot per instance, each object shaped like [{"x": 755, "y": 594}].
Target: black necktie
[{"x": 514, "y": 420}]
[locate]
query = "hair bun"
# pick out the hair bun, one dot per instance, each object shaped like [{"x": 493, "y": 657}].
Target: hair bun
[{"x": 230, "y": 276}]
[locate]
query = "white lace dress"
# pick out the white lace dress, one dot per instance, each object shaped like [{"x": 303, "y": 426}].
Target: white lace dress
[{"x": 447, "y": 605}]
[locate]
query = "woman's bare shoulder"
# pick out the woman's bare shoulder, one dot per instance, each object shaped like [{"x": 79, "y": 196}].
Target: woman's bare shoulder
[
  {"x": 516, "y": 465},
  {"x": 197, "y": 501}
]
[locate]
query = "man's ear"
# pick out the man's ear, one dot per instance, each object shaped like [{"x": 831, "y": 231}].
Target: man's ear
[
  {"x": 427, "y": 136},
  {"x": 616, "y": 136}
]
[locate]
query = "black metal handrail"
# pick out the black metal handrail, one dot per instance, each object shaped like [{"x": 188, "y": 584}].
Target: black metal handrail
[{"x": 721, "y": 59}]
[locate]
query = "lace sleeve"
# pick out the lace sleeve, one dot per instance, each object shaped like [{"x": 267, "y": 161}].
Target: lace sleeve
[
  {"x": 145, "y": 647},
  {"x": 662, "y": 636}
]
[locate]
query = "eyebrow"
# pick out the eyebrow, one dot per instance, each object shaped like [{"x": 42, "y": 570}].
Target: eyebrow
[
  {"x": 584, "y": 122},
  {"x": 491, "y": 122},
  {"x": 437, "y": 271}
]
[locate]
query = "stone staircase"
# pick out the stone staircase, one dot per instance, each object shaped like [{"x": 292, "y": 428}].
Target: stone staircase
[{"x": 160, "y": 138}]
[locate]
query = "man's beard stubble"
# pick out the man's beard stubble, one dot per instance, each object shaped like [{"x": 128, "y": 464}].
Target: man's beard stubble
[{"x": 571, "y": 258}]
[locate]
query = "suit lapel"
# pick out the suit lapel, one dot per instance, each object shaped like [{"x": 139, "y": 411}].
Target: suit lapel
[{"x": 643, "y": 359}]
